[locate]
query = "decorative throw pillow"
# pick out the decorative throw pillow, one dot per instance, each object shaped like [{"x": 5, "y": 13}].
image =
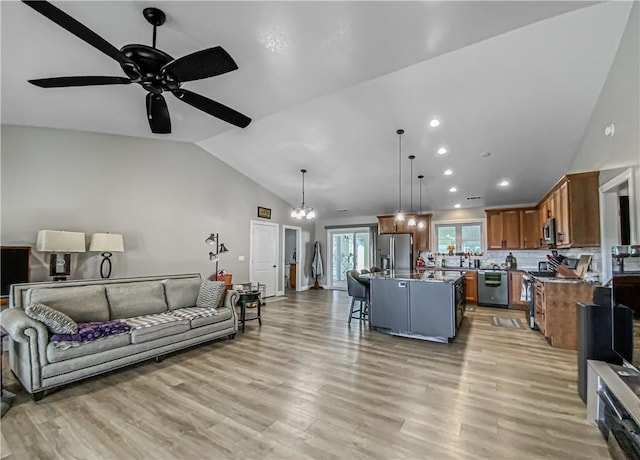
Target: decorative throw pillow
[
  {"x": 211, "y": 293},
  {"x": 56, "y": 321}
]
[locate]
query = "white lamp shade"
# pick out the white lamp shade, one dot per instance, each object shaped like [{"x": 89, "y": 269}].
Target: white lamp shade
[
  {"x": 106, "y": 242},
  {"x": 60, "y": 241}
]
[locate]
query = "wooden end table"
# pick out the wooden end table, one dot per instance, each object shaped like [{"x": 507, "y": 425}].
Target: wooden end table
[{"x": 249, "y": 299}]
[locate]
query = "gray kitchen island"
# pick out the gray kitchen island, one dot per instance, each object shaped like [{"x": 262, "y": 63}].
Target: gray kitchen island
[{"x": 427, "y": 306}]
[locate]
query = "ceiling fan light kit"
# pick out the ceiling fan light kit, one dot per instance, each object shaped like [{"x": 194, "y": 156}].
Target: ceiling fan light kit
[{"x": 153, "y": 69}]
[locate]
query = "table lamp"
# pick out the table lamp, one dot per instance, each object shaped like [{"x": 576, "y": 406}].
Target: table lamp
[
  {"x": 60, "y": 244},
  {"x": 107, "y": 243}
]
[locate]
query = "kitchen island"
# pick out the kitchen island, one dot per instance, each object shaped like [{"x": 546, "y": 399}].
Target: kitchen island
[{"x": 427, "y": 306}]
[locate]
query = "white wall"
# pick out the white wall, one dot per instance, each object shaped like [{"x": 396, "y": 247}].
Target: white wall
[
  {"x": 618, "y": 103},
  {"x": 165, "y": 198}
]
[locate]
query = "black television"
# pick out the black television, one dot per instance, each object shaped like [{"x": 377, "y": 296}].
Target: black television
[
  {"x": 625, "y": 312},
  {"x": 14, "y": 264}
]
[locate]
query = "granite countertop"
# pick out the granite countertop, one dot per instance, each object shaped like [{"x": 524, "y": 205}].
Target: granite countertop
[{"x": 432, "y": 275}]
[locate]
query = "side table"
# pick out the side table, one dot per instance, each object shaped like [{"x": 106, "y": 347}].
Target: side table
[{"x": 249, "y": 299}]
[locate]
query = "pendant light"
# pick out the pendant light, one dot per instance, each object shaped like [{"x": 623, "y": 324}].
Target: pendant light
[
  {"x": 412, "y": 219},
  {"x": 400, "y": 214},
  {"x": 303, "y": 210},
  {"x": 421, "y": 223}
]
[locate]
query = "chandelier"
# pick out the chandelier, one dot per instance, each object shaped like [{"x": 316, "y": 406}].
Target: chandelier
[{"x": 303, "y": 210}]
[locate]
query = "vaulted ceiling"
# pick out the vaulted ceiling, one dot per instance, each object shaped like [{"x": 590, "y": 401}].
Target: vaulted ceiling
[{"x": 327, "y": 85}]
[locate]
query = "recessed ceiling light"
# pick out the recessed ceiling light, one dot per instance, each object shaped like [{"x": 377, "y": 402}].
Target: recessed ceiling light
[
  {"x": 447, "y": 172},
  {"x": 453, "y": 189},
  {"x": 503, "y": 183},
  {"x": 442, "y": 151},
  {"x": 434, "y": 123},
  {"x": 456, "y": 205}
]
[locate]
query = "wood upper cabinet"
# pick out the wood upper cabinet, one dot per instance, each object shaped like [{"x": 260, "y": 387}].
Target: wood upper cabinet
[
  {"x": 575, "y": 206},
  {"x": 516, "y": 228},
  {"x": 494, "y": 230},
  {"x": 530, "y": 228},
  {"x": 503, "y": 229},
  {"x": 563, "y": 233},
  {"x": 388, "y": 224}
]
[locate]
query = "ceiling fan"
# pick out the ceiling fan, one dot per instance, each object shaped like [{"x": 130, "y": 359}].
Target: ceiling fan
[{"x": 151, "y": 68}]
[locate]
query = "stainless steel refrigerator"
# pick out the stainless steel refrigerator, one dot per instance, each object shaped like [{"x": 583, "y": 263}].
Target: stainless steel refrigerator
[{"x": 395, "y": 252}]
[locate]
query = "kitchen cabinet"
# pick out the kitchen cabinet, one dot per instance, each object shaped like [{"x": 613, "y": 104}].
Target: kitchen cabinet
[
  {"x": 413, "y": 307},
  {"x": 555, "y": 305},
  {"x": 504, "y": 229},
  {"x": 471, "y": 287},
  {"x": 515, "y": 289},
  {"x": 530, "y": 228},
  {"x": 574, "y": 204},
  {"x": 388, "y": 224}
]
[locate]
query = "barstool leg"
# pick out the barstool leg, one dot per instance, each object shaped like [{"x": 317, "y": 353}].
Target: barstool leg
[{"x": 353, "y": 301}]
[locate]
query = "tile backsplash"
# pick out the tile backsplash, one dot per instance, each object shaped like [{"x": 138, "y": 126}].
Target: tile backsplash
[{"x": 529, "y": 259}]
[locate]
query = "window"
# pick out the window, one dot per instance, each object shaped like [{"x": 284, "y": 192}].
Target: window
[{"x": 464, "y": 237}]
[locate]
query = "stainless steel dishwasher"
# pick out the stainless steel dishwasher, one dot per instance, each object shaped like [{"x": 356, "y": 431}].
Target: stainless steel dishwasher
[{"x": 493, "y": 288}]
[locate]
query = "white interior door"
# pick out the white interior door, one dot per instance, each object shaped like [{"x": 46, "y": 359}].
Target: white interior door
[{"x": 264, "y": 255}]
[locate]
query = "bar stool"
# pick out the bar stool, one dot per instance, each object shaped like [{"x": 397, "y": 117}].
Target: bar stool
[{"x": 358, "y": 289}]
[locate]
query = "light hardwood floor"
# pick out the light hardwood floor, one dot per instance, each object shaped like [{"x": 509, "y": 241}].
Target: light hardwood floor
[{"x": 305, "y": 385}]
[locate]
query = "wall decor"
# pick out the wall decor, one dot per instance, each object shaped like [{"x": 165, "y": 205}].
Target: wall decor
[{"x": 265, "y": 213}]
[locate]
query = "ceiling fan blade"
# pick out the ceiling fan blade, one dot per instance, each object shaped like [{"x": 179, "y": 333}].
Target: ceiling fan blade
[
  {"x": 201, "y": 64},
  {"x": 213, "y": 108},
  {"x": 60, "y": 82},
  {"x": 82, "y": 32},
  {"x": 158, "y": 114}
]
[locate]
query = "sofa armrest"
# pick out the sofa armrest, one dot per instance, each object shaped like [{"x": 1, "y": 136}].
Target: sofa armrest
[
  {"x": 28, "y": 353},
  {"x": 230, "y": 299},
  {"x": 16, "y": 322}
]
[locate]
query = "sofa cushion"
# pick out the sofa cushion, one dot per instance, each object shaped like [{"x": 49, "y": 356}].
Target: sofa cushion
[
  {"x": 136, "y": 299},
  {"x": 150, "y": 327},
  {"x": 211, "y": 294},
  {"x": 80, "y": 303},
  {"x": 56, "y": 353},
  {"x": 181, "y": 293},
  {"x": 56, "y": 321},
  {"x": 222, "y": 314}
]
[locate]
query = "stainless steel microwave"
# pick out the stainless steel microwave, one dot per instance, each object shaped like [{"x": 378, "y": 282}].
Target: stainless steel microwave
[{"x": 549, "y": 232}]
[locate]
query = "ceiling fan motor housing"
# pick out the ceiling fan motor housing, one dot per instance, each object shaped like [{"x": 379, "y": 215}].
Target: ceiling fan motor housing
[{"x": 150, "y": 62}]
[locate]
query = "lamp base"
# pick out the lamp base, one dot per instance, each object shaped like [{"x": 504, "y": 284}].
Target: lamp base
[
  {"x": 105, "y": 265},
  {"x": 59, "y": 266}
]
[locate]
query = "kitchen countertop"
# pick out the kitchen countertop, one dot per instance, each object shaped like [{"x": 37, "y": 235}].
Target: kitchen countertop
[{"x": 432, "y": 275}]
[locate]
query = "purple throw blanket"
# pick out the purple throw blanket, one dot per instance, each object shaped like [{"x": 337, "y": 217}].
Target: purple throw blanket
[{"x": 92, "y": 331}]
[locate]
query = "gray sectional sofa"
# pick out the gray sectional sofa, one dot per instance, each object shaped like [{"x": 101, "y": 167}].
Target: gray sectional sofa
[{"x": 168, "y": 302}]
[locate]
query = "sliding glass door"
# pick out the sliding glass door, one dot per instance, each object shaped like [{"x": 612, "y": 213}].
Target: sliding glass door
[{"x": 350, "y": 250}]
